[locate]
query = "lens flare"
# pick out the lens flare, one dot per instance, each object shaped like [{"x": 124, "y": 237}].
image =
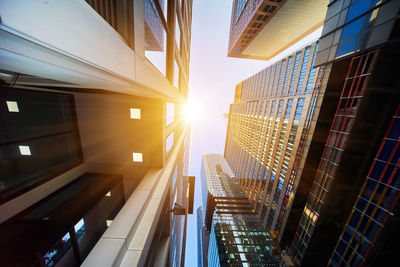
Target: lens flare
[{"x": 190, "y": 111}]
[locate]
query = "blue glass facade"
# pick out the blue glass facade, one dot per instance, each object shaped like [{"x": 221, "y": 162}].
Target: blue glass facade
[
  {"x": 237, "y": 237},
  {"x": 352, "y": 26},
  {"x": 200, "y": 224},
  {"x": 261, "y": 142},
  {"x": 213, "y": 255}
]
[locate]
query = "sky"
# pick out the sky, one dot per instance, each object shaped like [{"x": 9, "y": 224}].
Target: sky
[{"x": 212, "y": 80}]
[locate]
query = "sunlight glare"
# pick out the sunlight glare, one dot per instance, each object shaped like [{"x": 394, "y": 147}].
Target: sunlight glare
[{"x": 190, "y": 111}]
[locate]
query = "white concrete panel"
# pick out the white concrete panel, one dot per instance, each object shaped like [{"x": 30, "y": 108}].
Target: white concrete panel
[
  {"x": 137, "y": 220},
  {"x": 149, "y": 180},
  {"x": 145, "y": 75},
  {"x": 145, "y": 229},
  {"x": 58, "y": 25},
  {"x": 107, "y": 252},
  {"x": 22, "y": 56},
  {"x": 128, "y": 215},
  {"x": 293, "y": 21},
  {"x": 131, "y": 258}
]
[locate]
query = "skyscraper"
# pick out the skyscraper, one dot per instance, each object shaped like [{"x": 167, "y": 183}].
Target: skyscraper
[
  {"x": 237, "y": 237},
  {"x": 257, "y": 25},
  {"x": 270, "y": 125},
  {"x": 93, "y": 148},
  {"x": 350, "y": 210},
  {"x": 345, "y": 208}
]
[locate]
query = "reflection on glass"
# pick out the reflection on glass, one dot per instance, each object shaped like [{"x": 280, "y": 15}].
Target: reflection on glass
[
  {"x": 25, "y": 150},
  {"x": 169, "y": 113},
  {"x": 80, "y": 228},
  {"x": 169, "y": 142},
  {"x": 347, "y": 47},
  {"x": 58, "y": 250},
  {"x": 12, "y": 106},
  {"x": 174, "y": 177},
  {"x": 177, "y": 33},
  {"x": 155, "y": 36},
  {"x": 176, "y": 75}
]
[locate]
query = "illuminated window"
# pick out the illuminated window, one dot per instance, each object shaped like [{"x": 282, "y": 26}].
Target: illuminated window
[
  {"x": 135, "y": 113},
  {"x": 137, "y": 157},
  {"x": 12, "y": 106},
  {"x": 25, "y": 150},
  {"x": 108, "y": 194}
]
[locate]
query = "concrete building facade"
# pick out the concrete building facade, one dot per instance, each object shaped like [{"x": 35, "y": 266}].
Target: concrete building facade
[{"x": 94, "y": 149}]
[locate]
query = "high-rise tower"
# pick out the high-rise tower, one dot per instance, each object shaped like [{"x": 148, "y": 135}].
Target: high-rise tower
[
  {"x": 348, "y": 214},
  {"x": 261, "y": 29},
  {"x": 269, "y": 133},
  {"x": 236, "y": 235},
  {"x": 344, "y": 210},
  {"x": 93, "y": 148}
]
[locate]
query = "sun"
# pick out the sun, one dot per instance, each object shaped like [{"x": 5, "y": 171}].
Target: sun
[{"x": 190, "y": 111}]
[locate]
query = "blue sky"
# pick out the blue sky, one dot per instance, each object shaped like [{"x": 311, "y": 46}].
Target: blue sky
[{"x": 212, "y": 81}]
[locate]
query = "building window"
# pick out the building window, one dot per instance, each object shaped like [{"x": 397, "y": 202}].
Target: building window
[
  {"x": 47, "y": 121},
  {"x": 177, "y": 71},
  {"x": 294, "y": 73},
  {"x": 137, "y": 157},
  {"x": 155, "y": 36},
  {"x": 311, "y": 74},
  {"x": 175, "y": 177},
  {"x": 135, "y": 113},
  {"x": 177, "y": 32},
  {"x": 25, "y": 150},
  {"x": 299, "y": 109},
  {"x": 303, "y": 70},
  {"x": 79, "y": 228},
  {"x": 12, "y": 106},
  {"x": 170, "y": 107},
  {"x": 169, "y": 142}
]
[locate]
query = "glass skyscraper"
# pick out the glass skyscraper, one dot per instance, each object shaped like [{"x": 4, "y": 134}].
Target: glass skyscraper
[
  {"x": 270, "y": 125},
  {"x": 350, "y": 210},
  {"x": 342, "y": 175},
  {"x": 237, "y": 237}
]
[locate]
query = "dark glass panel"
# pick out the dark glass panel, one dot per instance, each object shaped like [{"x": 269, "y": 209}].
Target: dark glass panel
[{"x": 38, "y": 139}]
